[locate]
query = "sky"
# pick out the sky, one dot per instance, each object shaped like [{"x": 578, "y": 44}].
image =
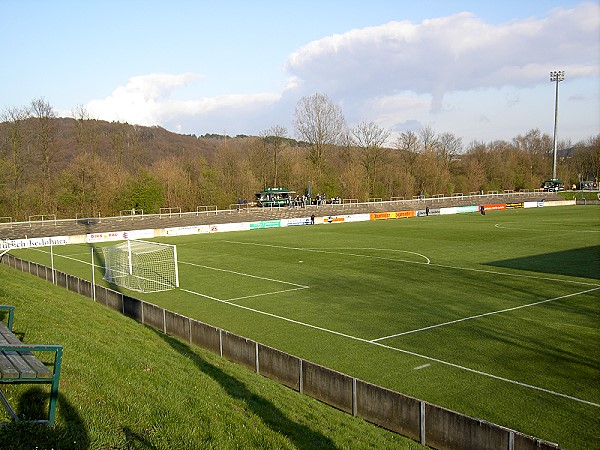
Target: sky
[{"x": 478, "y": 69}]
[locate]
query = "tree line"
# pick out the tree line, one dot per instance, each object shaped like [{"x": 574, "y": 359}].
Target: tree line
[{"x": 81, "y": 166}]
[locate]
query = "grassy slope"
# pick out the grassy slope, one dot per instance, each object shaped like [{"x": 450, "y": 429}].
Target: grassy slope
[{"x": 124, "y": 385}]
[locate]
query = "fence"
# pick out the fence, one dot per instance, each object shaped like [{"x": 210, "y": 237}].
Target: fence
[{"x": 421, "y": 421}]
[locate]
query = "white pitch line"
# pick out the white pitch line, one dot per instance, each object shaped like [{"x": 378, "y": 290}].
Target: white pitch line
[
  {"x": 428, "y": 263},
  {"x": 407, "y": 352},
  {"x": 245, "y": 274},
  {"x": 328, "y": 251},
  {"x": 483, "y": 315},
  {"x": 266, "y": 293},
  {"x": 57, "y": 255},
  {"x": 500, "y": 225}
]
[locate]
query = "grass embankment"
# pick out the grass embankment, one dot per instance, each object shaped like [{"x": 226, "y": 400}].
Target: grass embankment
[{"x": 126, "y": 386}]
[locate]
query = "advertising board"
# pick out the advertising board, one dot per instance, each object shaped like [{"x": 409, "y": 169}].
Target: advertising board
[
  {"x": 495, "y": 207},
  {"x": 183, "y": 231},
  {"x": 515, "y": 205},
  {"x": 467, "y": 209},
  {"x": 10, "y": 244},
  {"x": 295, "y": 222},
  {"x": 265, "y": 224},
  {"x": 423, "y": 212}
]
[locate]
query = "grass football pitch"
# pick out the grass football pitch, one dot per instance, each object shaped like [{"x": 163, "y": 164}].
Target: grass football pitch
[{"x": 495, "y": 316}]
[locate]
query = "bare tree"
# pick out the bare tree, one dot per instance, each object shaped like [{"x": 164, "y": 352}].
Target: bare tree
[
  {"x": 320, "y": 123},
  {"x": 408, "y": 141},
  {"x": 87, "y": 138},
  {"x": 370, "y": 138},
  {"x": 45, "y": 132},
  {"x": 448, "y": 146},
  {"x": 17, "y": 159},
  {"x": 274, "y": 139},
  {"x": 428, "y": 139}
]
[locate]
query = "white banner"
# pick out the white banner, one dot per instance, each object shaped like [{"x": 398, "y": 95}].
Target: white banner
[
  {"x": 10, "y": 244},
  {"x": 184, "y": 231}
]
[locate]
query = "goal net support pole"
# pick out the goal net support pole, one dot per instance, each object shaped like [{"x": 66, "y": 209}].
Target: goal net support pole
[{"x": 130, "y": 264}]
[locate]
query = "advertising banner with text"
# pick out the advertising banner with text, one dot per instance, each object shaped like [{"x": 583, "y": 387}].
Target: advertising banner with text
[
  {"x": 183, "y": 231},
  {"x": 515, "y": 205},
  {"x": 495, "y": 207},
  {"x": 10, "y": 244}
]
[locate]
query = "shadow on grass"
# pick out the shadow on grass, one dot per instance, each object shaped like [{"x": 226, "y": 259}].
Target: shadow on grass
[
  {"x": 301, "y": 436},
  {"x": 70, "y": 433},
  {"x": 136, "y": 440},
  {"x": 579, "y": 262}
]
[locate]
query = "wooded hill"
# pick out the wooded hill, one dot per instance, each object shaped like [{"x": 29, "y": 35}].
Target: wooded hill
[{"x": 71, "y": 167}]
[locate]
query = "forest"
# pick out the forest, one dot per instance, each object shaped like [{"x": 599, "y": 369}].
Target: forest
[{"x": 81, "y": 166}]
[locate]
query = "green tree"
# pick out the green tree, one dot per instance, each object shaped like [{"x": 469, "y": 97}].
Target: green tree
[{"x": 146, "y": 193}]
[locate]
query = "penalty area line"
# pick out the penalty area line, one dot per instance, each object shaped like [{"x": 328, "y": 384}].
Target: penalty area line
[
  {"x": 406, "y": 352},
  {"x": 266, "y": 293},
  {"x": 491, "y": 313},
  {"x": 300, "y": 286}
]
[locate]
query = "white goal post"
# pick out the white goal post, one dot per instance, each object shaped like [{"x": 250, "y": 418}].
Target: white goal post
[{"x": 141, "y": 266}]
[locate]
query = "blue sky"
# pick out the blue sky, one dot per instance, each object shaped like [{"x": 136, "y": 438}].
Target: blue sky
[{"x": 478, "y": 69}]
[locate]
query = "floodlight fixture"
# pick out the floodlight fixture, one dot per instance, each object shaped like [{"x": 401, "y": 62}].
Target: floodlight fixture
[{"x": 556, "y": 76}]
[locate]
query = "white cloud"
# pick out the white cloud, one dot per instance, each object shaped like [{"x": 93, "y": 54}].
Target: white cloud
[
  {"x": 471, "y": 74},
  {"x": 140, "y": 101},
  {"x": 145, "y": 100},
  {"x": 455, "y": 53}
]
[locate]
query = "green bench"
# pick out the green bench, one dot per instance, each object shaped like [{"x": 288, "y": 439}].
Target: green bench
[{"x": 19, "y": 365}]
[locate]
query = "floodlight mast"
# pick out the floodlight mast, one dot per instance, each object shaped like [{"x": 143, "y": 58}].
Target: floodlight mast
[{"x": 556, "y": 76}]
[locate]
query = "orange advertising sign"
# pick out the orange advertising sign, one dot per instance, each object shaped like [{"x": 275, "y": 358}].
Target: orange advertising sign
[
  {"x": 392, "y": 215},
  {"x": 380, "y": 216},
  {"x": 495, "y": 207}
]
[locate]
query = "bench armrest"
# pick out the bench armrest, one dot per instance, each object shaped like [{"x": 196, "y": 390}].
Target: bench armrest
[
  {"x": 31, "y": 347},
  {"x": 11, "y": 314}
]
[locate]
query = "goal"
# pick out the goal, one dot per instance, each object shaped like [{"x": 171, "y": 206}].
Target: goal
[{"x": 141, "y": 266}]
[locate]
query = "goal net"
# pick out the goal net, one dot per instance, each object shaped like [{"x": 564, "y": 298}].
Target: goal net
[{"x": 141, "y": 266}]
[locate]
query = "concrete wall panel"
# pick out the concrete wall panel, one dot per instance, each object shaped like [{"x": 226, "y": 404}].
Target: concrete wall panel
[
  {"x": 523, "y": 442},
  {"x": 132, "y": 307},
  {"x": 177, "y": 325},
  {"x": 388, "y": 409},
  {"x": 205, "y": 336},
  {"x": 329, "y": 386},
  {"x": 72, "y": 283},
  {"x": 239, "y": 349},
  {"x": 85, "y": 288},
  {"x": 280, "y": 366},
  {"x": 60, "y": 278},
  {"x": 445, "y": 429},
  {"x": 154, "y": 316}
]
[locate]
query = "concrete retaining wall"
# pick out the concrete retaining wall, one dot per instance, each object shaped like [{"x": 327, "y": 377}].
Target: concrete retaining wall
[
  {"x": 445, "y": 429},
  {"x": 177, "y": 325},
  {"x": 429, "y": 424},
  {"x": 239, "y": 349},
  {"x": 327, "y": 385},
  {"x": 206, "y": 336},
  {"x": 132, "y": 307},
  {"x": 389, "y": 409},
  {"x": 279, "y": 366},
  {"x": 154, "y": 316}
]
